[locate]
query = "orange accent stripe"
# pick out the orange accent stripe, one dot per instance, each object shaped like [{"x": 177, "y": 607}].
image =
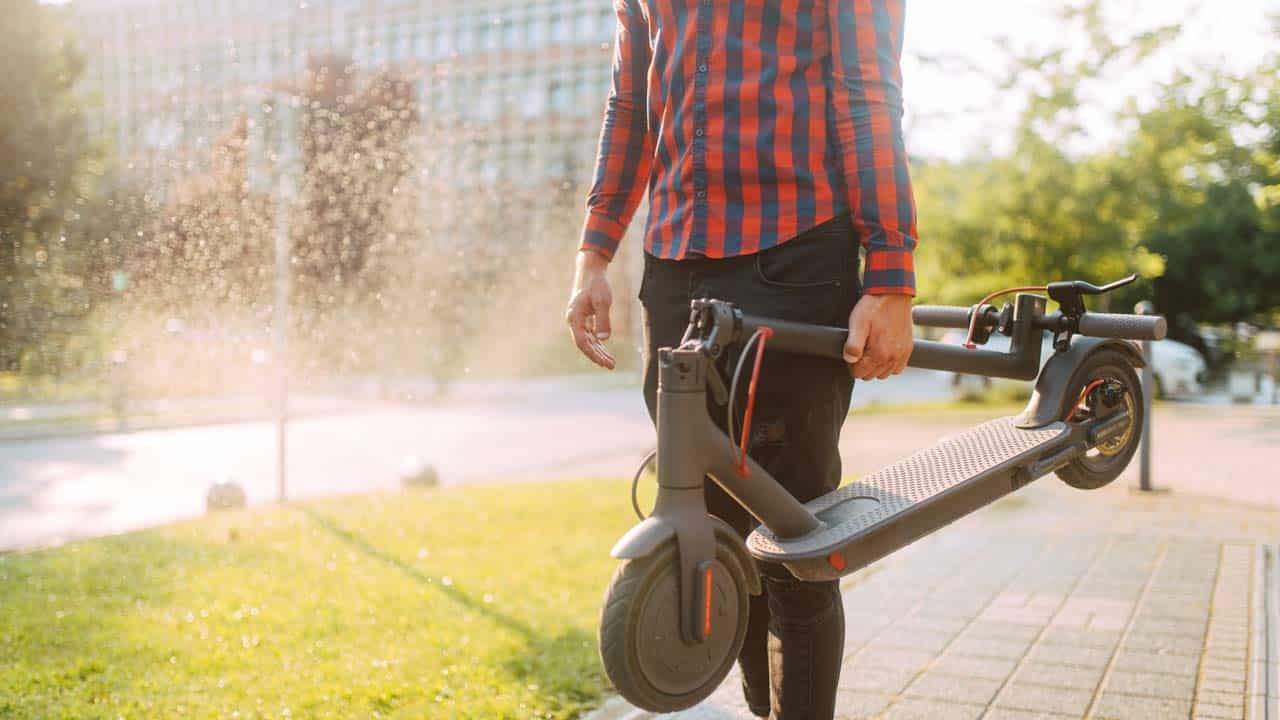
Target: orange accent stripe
[
  {"x": 706, "y": 606},
  {"x": 765, "y": 334}
]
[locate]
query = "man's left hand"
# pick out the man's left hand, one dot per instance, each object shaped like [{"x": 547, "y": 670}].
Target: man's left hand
[{"x": 880, "y": 342}]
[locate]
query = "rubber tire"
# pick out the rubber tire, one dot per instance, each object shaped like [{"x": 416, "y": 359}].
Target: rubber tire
[
  {"x": 1077, "y": 474},
  {"x": 630, "y": 582}
]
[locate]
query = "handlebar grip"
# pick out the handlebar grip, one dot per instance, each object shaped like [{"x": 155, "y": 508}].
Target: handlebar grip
[
  {"x": 1128, "y": 327},
  {"x": 950, "y": 316},
  {"x": 788, "y": 336}
]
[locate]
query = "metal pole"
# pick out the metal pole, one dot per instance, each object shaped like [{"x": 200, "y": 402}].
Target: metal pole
[
  {"x": 280, "y": 336},
  {"x": 1146, "y": 307},
  {"x": 282, "y": 157}
]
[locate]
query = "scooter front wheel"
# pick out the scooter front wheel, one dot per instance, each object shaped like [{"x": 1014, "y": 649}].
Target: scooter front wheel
[{"x": 643, "y": 651}]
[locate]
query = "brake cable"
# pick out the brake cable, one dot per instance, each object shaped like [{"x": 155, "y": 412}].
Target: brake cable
[
  {"x": 635, "y": 482},
  {"x": 763, "y": 335},
  {"x": 973, "y": 315},
  {"x": 1084, "y": 395},
  {"x": 737, "y": 374}
]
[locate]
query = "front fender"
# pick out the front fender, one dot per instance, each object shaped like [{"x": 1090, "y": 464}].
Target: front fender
[
  {"x": 643, "y": 538},
  {"x": 1051, "y": 385},
  {"x": 651, "y": 533}
]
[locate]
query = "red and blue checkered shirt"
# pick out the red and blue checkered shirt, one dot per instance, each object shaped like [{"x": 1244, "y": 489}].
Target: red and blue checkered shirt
[{"x": 752, "y": 121}]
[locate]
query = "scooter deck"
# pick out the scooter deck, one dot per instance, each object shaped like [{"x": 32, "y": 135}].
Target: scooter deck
[{"x": 891, "y": 508}]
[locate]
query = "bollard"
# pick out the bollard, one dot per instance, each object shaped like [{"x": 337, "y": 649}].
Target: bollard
[{"x": 1146, "y": 307}]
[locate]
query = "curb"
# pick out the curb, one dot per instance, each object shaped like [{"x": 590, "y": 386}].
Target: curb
[
  {"x": 1264, "y": 646},
  {"x": 615, "y": 708},
  {"x": 35, "y": 435}
]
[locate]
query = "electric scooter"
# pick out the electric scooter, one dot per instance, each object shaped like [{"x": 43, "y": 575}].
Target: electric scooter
[{"x": 675, "y": 612}]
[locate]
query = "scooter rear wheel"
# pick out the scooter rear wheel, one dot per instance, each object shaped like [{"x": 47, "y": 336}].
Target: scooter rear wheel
[
  {"x": 641, "y": 646},
  {"x": 1103, "y": 464}
]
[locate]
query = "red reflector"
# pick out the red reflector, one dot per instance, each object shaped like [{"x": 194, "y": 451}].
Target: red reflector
[{"x": 836, "y": 560}]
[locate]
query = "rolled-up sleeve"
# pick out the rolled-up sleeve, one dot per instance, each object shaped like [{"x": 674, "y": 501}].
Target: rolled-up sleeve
[{"x": 866, "y": 90}]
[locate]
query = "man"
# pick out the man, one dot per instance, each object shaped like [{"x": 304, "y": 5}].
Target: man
[{"x": 768, "y": 135}]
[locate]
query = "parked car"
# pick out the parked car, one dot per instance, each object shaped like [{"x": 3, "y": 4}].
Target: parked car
[{"x": 1179, "y": 369}]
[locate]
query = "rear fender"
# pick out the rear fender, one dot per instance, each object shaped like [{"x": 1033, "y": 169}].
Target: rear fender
[{"x": 1051, "y": 385}]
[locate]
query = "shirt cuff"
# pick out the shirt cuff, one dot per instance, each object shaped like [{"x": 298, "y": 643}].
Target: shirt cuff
[
  {"x": 601, "y": 235},
  {"x": 889, "y": 271}
]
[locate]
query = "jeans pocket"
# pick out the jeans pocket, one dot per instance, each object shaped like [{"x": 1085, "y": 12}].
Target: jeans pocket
[{"x": 800, "y": 265}]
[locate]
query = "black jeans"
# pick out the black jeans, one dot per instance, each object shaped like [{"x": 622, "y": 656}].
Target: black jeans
[{"x": 790, "y": 660}]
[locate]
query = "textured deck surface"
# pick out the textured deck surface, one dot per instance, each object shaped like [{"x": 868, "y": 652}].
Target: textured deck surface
[{"x": 908, "y": 482}]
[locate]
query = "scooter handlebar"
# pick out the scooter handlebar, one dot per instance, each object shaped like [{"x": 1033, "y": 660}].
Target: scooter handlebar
[
  {"x": 1128, "y": 327},
  {"x": 953, "y": 316},
  {"x": 941, "y": 316}
]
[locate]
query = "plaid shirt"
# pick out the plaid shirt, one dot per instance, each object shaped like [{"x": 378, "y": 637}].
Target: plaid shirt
[{"x": 751, "y": 121}]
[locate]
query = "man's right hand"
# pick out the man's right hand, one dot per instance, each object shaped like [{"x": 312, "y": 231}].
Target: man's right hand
[{"x": 588, "y": 312}]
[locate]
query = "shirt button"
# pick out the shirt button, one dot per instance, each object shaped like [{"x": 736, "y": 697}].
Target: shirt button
[
  {"x": 702, "y": 68},
  {"x": 702, "y": 194},
  {"x": 698, "y": 132}
]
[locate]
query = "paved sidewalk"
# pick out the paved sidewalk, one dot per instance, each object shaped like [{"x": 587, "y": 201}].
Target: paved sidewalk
[
  {"x": 1056, "y": 604},
  {"x": 1229, "y": 452}
]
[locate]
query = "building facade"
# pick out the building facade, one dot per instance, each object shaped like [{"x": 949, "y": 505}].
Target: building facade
[{"x": 509, "y": 90}]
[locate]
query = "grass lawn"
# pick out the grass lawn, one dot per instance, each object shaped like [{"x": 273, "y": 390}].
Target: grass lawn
[{"x": 475, "y": 602}]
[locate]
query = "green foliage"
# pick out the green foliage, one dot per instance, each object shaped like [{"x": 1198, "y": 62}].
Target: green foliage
[
  {"x": 1187, "y": 198},
  {"x": 477, "y": 602},
  {"x": 1196, "y": 169},
  {"x": 47, "y": 168}
]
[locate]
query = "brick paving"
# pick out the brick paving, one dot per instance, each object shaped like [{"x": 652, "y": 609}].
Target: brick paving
[
  {"x": 1055, "y": 604},
  {"x": 1216, "y": 451}
]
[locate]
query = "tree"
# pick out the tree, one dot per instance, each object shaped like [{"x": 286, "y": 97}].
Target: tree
[
  {"x": 211, "y": 251},
  {"x": 1187, "y": 198},
  {"x": 1048, "y": 210},
  {"x": 1201, "y": 178},
  {"x": 47, "y": 169},
  {"x": 354, "y": 147}
]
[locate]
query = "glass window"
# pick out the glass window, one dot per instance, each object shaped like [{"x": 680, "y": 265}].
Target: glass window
[
  {"x": 560, "y": 97},
  {"x": 465, "y": 38},
  {"x": 511, "y": 35},
  {"x": 538, "y": 31},
  {"x": 523, "y": 29},
  {"x": 533, "y": 101},
  {"x": 487, "y": 101},
  {"x": 559, "y": 28},
  {"x": 581, "y": 95},
  {"x": 608, "y": 25}
]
